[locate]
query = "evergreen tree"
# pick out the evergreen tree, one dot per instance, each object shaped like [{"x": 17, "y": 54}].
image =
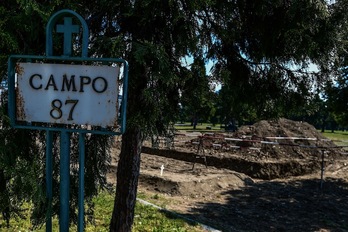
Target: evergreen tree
[
  {"x": 336, "y": 89},
  {"x": 263, "y": 50}
]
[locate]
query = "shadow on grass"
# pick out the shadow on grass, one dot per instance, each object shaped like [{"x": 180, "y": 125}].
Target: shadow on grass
[{"x": 278, "y": 206}]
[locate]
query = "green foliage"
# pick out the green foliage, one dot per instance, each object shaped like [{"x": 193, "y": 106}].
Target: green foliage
[
  {"x": 262, "y": 51},
  {"x": 153, "y": 36},
  {"x": 197, "y": 99},
  {"x": 21, "y": 166},
  {"x": 337, "y": 98},
  {"x": 22, "y": 171}
]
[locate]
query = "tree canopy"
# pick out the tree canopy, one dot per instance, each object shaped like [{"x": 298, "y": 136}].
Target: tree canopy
[{"x": 263, "y": 50}]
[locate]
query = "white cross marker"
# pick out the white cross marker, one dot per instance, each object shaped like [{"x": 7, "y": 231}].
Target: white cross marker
[{"x": 162, "y": 168}]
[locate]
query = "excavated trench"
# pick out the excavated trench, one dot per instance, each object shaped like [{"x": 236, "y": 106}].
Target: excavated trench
[{"x": 266, "y": 170}]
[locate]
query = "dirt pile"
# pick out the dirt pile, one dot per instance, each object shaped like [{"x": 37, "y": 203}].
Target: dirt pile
[{"x": 288, "y": 140}]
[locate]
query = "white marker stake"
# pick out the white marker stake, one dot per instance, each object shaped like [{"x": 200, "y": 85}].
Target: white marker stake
[{"x": 162, "y": 168}]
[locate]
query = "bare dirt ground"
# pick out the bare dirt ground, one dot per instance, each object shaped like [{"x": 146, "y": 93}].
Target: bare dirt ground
[{"x": 255, "y": 180}]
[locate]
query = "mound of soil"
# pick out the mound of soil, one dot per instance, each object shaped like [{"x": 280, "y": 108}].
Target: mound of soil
[{"x": 297, "y": 140}]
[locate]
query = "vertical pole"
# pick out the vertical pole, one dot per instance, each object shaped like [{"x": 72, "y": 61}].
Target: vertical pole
[
  {"x": 322, "y": 169},
  {"x": 49, "y": 171},
  {"x": 80, "y": 226},
  {"x": 64, "y": 181}
]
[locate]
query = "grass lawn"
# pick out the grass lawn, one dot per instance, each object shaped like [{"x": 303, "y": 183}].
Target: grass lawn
[
  {"x": 147, "y": 218},
  {"x": 201, "y": 127},
  {"x": 340, "y": 138}
]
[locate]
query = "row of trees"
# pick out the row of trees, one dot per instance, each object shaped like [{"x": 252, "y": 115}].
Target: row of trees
[
  {"x": 261, "y": 52},
  {"x": 326, "y": 109}
]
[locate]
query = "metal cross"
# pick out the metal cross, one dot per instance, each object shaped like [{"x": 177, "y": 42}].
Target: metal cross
[{"x": 68, "y": 29}]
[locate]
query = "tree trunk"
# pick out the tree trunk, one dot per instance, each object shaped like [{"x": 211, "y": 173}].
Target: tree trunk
[
  {"x": 127, "y": 181},
  {"x": 128, "y": 167}
]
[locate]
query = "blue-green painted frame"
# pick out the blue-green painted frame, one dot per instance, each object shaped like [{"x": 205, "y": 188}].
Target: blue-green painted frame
[{"x": 28, "y": 58}]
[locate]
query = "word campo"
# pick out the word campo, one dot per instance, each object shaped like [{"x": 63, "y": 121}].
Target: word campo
[
  {"x": 66, "y": 83},
  {"x": 98, "y": 84}
]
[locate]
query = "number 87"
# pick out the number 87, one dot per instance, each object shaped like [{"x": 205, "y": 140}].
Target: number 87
[{"x": 56, "y": 111}]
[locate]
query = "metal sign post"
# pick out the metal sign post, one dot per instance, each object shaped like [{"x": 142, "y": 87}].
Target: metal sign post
[{"x": 62, "y": 94}]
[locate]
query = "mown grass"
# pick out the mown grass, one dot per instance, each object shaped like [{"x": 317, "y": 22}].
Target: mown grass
[
  {"x": 147, "y": 219},
  {"x": 340, "y": 138}
]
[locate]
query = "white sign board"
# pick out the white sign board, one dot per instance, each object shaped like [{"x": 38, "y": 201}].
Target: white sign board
[{"x": 67, "y": 94}]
